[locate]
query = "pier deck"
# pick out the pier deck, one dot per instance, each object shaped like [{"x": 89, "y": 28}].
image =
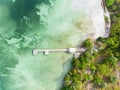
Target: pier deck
[{"x": 47, "y": 51}]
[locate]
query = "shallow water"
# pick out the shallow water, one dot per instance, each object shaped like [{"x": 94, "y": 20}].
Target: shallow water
[{"x": 28, "y": 24}]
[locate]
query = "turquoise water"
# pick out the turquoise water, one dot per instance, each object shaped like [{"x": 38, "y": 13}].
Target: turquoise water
[{"x": 29, "y": 24}]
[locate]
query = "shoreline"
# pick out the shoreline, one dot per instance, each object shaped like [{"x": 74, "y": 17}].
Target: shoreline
[
  {"x": 107, "y": 16},
  {"x": 85, "y": 73}
]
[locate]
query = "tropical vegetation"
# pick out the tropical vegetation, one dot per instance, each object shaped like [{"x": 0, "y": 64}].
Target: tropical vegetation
[{"x": 99, "y": 66}]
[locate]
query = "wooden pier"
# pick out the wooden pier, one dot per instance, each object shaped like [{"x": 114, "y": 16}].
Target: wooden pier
[{"x": 47, "y": 51}]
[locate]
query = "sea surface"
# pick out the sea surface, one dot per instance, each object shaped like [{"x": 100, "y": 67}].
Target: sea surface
[{"x": 43, "y": 24}]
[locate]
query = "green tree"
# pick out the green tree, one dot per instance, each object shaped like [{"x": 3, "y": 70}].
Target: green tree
[
  {"x": 92, "y": 67},
  {"x": 75, "y": 63},
  {"x": 113, "y": 42},
  {"x": 95, "y": 53},
  {"x": 103, "y": 85},
  {"x": 86, "y": 57},
  {"x": 112, "y": 79},
  {"x": 88, "y": 77},
  {"x": 115, "y": 28},
  {"x": 67, "y": 81},
  {"x": 89, "y": 44},
  {"x": 112, "y": 61},
  {"x": 104, "y": 69},
  {"x": 97, "y": 79},
  {"x": 110, "y": 2}
]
